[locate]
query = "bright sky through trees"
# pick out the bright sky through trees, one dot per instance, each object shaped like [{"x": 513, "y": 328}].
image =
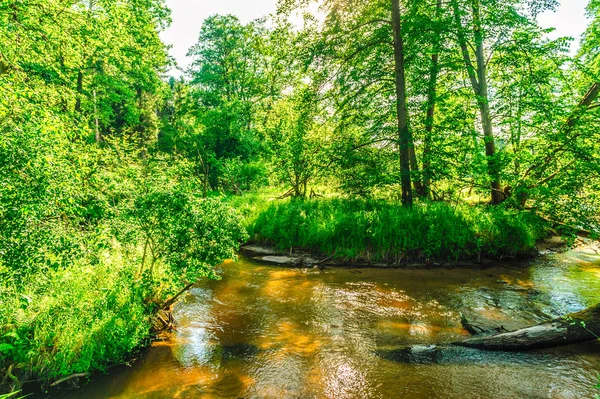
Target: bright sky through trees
[{"x": 188, "y": 16}]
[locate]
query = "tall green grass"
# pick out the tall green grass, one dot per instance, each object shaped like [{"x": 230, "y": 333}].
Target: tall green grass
[
  {"x": 252, "y": 204},
  {"x": 380, "y": 231},
  {"x": 74, "y": 320}
]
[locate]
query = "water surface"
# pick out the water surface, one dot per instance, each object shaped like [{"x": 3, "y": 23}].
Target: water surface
[{"x": 271, "y": 332}]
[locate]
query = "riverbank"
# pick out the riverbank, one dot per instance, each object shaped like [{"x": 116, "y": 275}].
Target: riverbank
[
  {"x": 377, "y": 232},
  {"x": 61, "y": 321},
  {"x": 300, "y": 258}
]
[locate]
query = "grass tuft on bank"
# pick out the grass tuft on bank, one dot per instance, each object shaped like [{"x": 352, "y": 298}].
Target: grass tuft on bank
[{"x": 380, "y": 231}]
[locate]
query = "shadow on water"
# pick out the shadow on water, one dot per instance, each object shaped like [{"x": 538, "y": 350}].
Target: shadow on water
[{"x": 271, "y": 332}]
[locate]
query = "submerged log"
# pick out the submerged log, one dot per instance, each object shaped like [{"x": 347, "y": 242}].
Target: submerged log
[
  {"x": 574, "y": 328},
  {"x": 69, "y": 378},
  {"x": 479, "y": 326}
]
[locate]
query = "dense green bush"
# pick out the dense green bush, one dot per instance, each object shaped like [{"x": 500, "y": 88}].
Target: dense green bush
[
  {"x": 187, "y": 234},
  {"x": 92, "y": 241},
  {"x": 98, "y": 228},
  {"x": 379, "y": 231}
]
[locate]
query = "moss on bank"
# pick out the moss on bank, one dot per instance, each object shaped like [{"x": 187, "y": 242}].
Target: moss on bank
[{"x": 380, "y": 231}]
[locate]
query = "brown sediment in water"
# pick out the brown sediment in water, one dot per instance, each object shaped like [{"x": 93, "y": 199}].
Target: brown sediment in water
[{"x": 273, "y": 332}]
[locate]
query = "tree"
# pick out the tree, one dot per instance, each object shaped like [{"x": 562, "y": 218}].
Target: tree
[
  {"x": 296, "y": 139},
  {"x": 362, "y": 73},
  {"x": 431, "y": 100},
  {"x": 478, "y": 77},
  {"x": 492, "y": 25},
  {"x": 227, "y": 86},
  {"x": 404, "y": 136}
]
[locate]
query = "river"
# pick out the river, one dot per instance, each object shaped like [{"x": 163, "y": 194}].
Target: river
[{"x": 272, "y": 332}]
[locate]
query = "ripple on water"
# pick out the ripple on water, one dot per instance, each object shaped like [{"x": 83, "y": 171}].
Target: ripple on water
[{"x": 269, "y": 332}]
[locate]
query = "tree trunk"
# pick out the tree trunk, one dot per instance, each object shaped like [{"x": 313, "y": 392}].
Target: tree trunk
[
  {"x": 205, "y": 188},
  {"x": 404, "y": 139},
  {"x": 478, "y": 78},
  {"x": 484, "y": 108},
  {"x": 431, "y": 102},
  {"x": 574, "y": 328},
  {"x": 79, "y": 91},
  {"x": 97, "y": 135},
  {"x": 414, "y": 166}
]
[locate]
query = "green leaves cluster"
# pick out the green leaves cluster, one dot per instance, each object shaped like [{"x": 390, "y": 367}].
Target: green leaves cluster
[
  {"x": 188, "y": 234},
  {"x": 247, "y": 113}
]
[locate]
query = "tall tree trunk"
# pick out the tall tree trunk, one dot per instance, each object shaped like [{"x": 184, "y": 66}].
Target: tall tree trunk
[
  {"x": 478, "y": 78},
  {"x": 404, "y": 138},
  {"x": 516, "y": 134},
  {"x": 414, "y": 166},
  {"x": 79, "y": 91},
  {"x": 3, "y": 66},
  {"x": 97, "y": 135},
  {"x": 205, "y": 183},
  {"x": 484, "y": 108},
  {"x": 80, "y": 73},
  {"x": 431, "y": 103}
]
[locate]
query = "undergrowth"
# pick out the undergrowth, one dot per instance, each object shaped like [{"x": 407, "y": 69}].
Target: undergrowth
[
  {"x": 380, "y": 231},
  {"x": 91, "y": 248}
]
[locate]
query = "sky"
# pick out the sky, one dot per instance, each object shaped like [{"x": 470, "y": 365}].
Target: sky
[{"x": 188, "y": 16}]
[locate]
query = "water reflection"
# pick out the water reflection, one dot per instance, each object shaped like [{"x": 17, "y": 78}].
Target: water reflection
[{"x": 266, "y": 332}]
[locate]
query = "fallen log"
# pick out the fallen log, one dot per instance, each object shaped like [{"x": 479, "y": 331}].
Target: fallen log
[
  {"x": 479, "y": 326},
  {"x": 255, "y": 250},
  {"x": 172, "y": 301},
  {"x": 571, "y": 329}
]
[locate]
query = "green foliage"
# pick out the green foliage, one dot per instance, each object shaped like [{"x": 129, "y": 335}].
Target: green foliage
[
  {"x": 187, "y": 234},
  {"x": 107, "y": 169},
  {"x": 79, "y": 319},
  {"x": 539, "y": 149},
  {"x": 225, "y": 95},
  {"x": 379, "y": 231},
  {"x": 250, "y": 205},
  {"x": 237, "y": 176},
  {"x": 94, "y": 237},
  {"x": 296, "y": 140},
  {"x": 96, "y": 270}
]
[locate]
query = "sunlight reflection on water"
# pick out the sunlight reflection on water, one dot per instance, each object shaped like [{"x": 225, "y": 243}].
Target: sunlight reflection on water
[{"x": 267, "y": 332}]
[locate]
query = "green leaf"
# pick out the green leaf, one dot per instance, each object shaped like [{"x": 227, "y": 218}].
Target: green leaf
[{"x": 5, "y": 348}]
